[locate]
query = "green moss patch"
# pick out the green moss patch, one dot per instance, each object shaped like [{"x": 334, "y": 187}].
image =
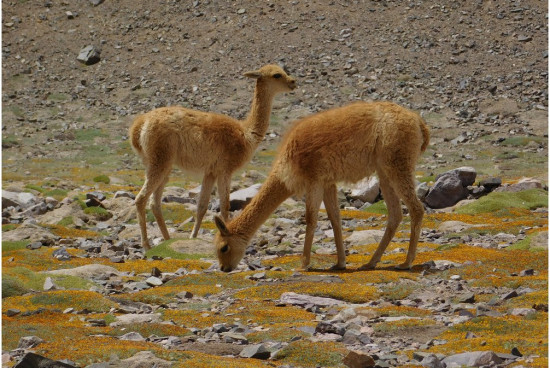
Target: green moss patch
[{"x": 496, "y": 201}]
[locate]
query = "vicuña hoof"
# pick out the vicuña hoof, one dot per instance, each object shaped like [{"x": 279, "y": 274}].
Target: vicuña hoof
[
  {"x": 367, "y": 267},
  {"x": 403, "y": 266},
  {"x": 338, "y": 267}
]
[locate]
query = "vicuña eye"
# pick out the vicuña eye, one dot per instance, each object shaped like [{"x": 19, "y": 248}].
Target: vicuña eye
[
  {"x": 277, "y": 76},
  {"x": 224, "y": 249}
]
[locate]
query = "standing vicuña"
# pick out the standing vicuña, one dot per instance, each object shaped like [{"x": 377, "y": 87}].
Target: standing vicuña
[
  {"x": 342, "y": 144},
  {"x": 212, "y": 144}
]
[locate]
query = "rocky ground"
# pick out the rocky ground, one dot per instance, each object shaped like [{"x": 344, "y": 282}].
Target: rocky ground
[{"x": 76, "y": 285}]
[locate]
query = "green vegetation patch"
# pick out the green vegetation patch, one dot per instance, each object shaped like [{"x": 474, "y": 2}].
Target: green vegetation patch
[
  {"x": 520, "y": 141},
  {"x": 312, "y": 354},
  {"x": 495, "y": 201},
  {"x": 165, "y": 251},
  {"x": 102, "y": 179}
]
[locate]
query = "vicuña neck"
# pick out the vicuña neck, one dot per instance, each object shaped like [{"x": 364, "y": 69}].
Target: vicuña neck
[
  {"x": 272, "y": 193},
  {"x": 258, "y": 120}
]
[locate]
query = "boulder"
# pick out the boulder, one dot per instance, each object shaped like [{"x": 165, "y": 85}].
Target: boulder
[
  {"x": 358, "y": 359},
  {"x": 362, "y": 237},
  {"x": 367, "y": 190},
  {"x": 35, "y": 360},
  {"x": 450, "y": 187},
  {"x": 472, "y": 359},
  {"x": 18, "y": 199},
  {"x": 89, "y": 55}
]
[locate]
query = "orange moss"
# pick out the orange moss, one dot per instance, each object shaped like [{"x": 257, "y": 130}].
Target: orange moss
[{"x": 59, "y": 299}]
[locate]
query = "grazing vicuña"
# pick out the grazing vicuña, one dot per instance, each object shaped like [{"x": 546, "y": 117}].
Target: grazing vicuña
[{"x": 341, "y": 144}]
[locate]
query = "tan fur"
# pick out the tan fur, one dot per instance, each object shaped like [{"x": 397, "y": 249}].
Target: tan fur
[
  {"x": 342, "y": 144},
  {"x": 207, "y": 143}
]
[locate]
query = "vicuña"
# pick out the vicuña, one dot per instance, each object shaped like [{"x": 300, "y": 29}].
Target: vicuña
[
  {"x": 343, "y": 144},
  {"x": 211, "y": 144}
]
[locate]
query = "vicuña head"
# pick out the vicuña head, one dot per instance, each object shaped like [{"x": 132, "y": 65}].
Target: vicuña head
[
  {"x": 339, "y": 145},
  {"x": 201, "y": 142}
]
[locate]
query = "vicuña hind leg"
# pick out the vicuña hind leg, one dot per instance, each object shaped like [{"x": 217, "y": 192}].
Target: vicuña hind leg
[
  {"x": 394, "y": 219},
  {"x": 330, "y": 198},
  {"x": 204, "y": 197},
  {"x": 405, "y": 188},
  {"x": 157, "y": 210},
  {"x": 153, "y": 181},
  {"x": 313, "y": 201}
]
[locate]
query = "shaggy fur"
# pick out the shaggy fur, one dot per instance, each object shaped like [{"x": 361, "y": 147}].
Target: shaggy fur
[
  {"x": 342, "y": 144},
  {"x": 206, "y": 143}
]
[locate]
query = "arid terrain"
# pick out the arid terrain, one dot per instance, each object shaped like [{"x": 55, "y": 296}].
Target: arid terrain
[{"x": 76, "y": 285}]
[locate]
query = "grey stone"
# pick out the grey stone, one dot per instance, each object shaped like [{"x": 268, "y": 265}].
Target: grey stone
[
  {"x": 132, "y": 336},
  {"x": 257, "y": 351},
  {"x": 61, "y": 254},
  {"x": 89, "y": 55},
  {"x": 363, "y": 237},
  {"x": 184, "y": 295},
  {"x": 240, "y": 198},
  {"x": 28, "y": 342},
  {"x": 302, "y": 299},
  {"x": 472, "y": 359},
  {"x": 154, "y": 281},
  {"x": 32, "y": 360},
  {"x": 124, "y": 194},
  {"x": 87, "y": 271},
  {"x": 12, "y": 312},
  {"x": 366, "y": 190},
  {"x": 450, "y": 187},
  {"x": 18, "y": 199},
  {"x": 358, "y": 359},
  {"x": 523, "y": 184},
  {"x": 431, "y": 361},
  {"x": 49, "y": 284}
]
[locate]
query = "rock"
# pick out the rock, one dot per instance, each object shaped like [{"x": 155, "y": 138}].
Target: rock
[
  {"x": 184, "y": 295},
  {"x": 239, "y": 199},
  {"x": 358, "y": 359},
  {"x": 49, "y": 284},
  {"x": 144, "y": 359},
  {"x": 29, "y": 342},
  {"x": 528, "y": 272},
  {"x": 32, "y": 360},
  {"x": 302, "y": 299},
  {"x": 18, "y": 199},
  {"x": 422, "y": 190},
  {"x": 467, "y": 298},
  {"x": 362, "y": 237},
  {"x": 491, "y": 183},
  {"x": 12, "y": 312},
  {"x": 367, "y": 190},
  {"x": 522, "y": 311},
  {"x": 450, "y": 187},
  {"x": 28, "y": 231},
  {"x": 124, "y": 194},
  {"x": 472, "y": 359},
  {"x": 128, "y": 319},
  {"x": 454, "y": 226},
  {"x": 324, "y": 327},
  {"x": 61, "y": 254},
  {"x": 257, "y": 351},
  {"x": 431, "y": 361},
  {"x": 132, "y": 336},
  {"x": 154, "y": 281},
  {"x": 89, "y": 271},
  {"x": 96, "y": 2},
  {"x": 523, "y": 184},
  {"x": 89, "y": 55},
  {"x": 515, "y": 351}
]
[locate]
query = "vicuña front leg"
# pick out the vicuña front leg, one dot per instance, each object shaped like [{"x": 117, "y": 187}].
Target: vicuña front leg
[
  {"x": 224, "y": 186},
  {"x": 330, "y": 198},
  {"x": 313, "y": 201},
  {"x": 202, "y": 206}
]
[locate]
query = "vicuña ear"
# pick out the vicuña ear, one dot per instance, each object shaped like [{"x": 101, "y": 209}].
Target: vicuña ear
[
  {"x": 221, "y": 226},
  {"x": 253, "y": 74}
]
